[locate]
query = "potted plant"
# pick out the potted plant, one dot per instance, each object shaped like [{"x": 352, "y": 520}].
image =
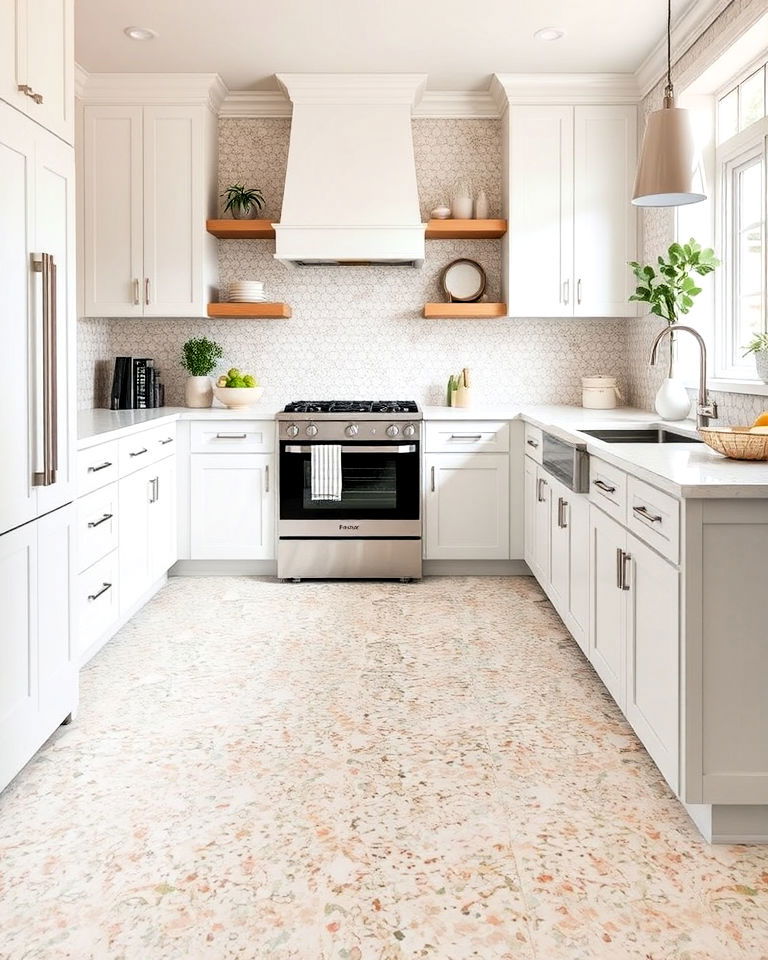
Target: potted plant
[
  {"x": 199, "y": 358},
  {"x": 243, "y": 202},
  {"x": 670, "y": 289},
  {"x": 759, "y": 346}
]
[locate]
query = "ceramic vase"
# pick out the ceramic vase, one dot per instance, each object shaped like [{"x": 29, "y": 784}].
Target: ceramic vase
[
  {"x": 481, "y": 206},
  {"x": 672, "y": 400},
  {"x": 461, "y": 202},
  {"x": 198, "y": 392},
  {"x": 248, "y": 212},
  {"x": 761, "y": 364}
]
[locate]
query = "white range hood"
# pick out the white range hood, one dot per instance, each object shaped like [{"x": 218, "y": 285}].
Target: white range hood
[{"x": 350, "y": 187}]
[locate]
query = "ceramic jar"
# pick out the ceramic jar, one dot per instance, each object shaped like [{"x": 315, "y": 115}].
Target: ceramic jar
[
  {"x": 198, "y": 392},
  {"x": 599, "y": 393}
]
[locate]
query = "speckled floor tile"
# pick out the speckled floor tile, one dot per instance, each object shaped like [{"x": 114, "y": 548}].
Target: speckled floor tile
[{"x": 358, "y": 771}]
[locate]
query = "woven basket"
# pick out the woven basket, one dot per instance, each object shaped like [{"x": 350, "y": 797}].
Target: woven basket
[{"x": 737, "y": 443}]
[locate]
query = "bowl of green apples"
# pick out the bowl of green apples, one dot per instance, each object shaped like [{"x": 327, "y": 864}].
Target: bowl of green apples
[{"x": 237, "y": 390}]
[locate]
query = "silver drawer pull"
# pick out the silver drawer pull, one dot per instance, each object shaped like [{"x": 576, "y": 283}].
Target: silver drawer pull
[
  {"x": 619, "y": 568},
  {"x": 602, "y": 485},
  {"x": 466, "y": 436},
  {"x": 101, "y": 466},
  {"x": 99, "y": 593},
  {"x": 98, "y": 523},
  {"x": 360, "y": 448},
  {"x": 626, "y": 559},
  {"x": 532, "y": 443},
  {"x": 137, "y": 453},
  {"x": 643, "y": 513},
  {"x": 231, "y": 436},
  {"x": 541, "y": 483},
  {"x": 163, "y": 442}
]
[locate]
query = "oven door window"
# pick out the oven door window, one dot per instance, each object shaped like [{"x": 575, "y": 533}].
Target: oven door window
[{"x": 375, "y": 486}]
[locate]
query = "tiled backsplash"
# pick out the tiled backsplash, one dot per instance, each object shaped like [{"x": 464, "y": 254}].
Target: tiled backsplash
[{"x": 358, "y": 330}]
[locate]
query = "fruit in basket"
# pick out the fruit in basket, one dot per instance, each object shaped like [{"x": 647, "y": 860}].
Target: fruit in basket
[
  {"x": 222, "y": 381},
  {"x": 762, "y": 420},
  {"x": 234, "y": 378},
  {"x": 249, "y": 381}
]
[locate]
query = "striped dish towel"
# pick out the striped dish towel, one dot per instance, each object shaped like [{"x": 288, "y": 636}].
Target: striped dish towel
[{"x": 326, "y": 471}]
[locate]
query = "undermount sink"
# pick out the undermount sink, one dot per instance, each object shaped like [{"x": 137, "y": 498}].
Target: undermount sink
[{"x": 640, "y": 435}]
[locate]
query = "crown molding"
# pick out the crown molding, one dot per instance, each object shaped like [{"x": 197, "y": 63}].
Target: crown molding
[
  {"x": 270, "y": 104},
  {"x": 346, "y": 88},
  {"x": 467, "y": 104},
  {"x": 151, "y": 88},
  {"x": 533, "y": 88},
  {"x": 689, "y": 26}
]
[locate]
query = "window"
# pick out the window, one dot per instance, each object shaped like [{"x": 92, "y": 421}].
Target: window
[{"x": 742, "y": 199}]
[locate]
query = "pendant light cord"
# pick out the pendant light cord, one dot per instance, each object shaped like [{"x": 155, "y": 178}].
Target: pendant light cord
[{"x": 669, "y": 91}]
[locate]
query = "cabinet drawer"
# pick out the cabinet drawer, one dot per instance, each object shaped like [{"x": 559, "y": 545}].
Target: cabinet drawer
[
  {"x": 467, "y": 436},
  {"x": 654, "y": 517},
  {"x": 232, "y": 436},
  {"x": 608, "y": 488},
  {"x": 96, "y": 467},
  {"x": 533, "y": 443},
  {"x": 96, "y": 526},
  {"x": 141, "y": 449},
  {"x": 97, "y": 601}
]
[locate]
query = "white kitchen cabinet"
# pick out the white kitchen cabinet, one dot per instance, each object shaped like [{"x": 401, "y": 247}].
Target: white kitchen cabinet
[
  {"x": 37, "y": 61},
  {"x": 161, "y": 521},
  {"x": 576, "y": 516},
  {"x": 146, "y": 179},
  {"x": 529, "y": 523},
  {"x": 537, "y": 521},
  {"x": 467, "y": 506},
  {"x": 571, "y": 225},
  {"x": 607, "y": 641},
  {"x": 232, "y": 506}
]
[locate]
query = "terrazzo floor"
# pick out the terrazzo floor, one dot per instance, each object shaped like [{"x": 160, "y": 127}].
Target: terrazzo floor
[{"x": 358, "y": 771}]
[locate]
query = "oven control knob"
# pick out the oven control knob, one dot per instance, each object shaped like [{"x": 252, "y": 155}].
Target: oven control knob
[
  {"x": 393, "y": 430},
  {"x": 292, "y": 430},
  {"x": 311, "y": 430},
  {"x": 352, "y": 430},
  {"x": 409, "y": 430}
]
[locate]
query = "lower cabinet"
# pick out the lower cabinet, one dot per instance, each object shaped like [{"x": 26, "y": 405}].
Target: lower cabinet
[
  {"x": 147, "y": 529},
  {"x": 467, "y": 506},
  {"x": 232, "y": 506}
]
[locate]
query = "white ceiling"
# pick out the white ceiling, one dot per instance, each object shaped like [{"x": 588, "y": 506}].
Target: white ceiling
[{"x": 458, "y": 43}]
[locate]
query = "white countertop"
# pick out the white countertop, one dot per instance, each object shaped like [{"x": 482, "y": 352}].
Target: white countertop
[{"x": 685, "y": 470}]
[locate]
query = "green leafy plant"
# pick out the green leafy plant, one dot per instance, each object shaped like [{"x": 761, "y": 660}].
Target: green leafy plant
[
  {"x": 757, "y": 344},
  {"x": 200, "y": 355},
  {"x": 239, "y": 198},
  {"x": 670, "y": 287}
]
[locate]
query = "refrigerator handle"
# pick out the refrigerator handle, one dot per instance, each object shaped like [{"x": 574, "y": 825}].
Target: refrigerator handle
[{"x": 43, "y": 263}]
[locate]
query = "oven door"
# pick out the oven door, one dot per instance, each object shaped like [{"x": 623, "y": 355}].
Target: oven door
[{"x": 381, "y": 492}]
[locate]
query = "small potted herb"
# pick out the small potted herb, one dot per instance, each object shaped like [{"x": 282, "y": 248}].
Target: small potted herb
[
  {"x": 199, "y": 358},
  {"x": 243, "y": 202},
  {"x": 759, "y": 346}
]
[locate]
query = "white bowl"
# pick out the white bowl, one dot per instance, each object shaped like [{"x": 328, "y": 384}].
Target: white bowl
[{"x": 238, "y": 398}]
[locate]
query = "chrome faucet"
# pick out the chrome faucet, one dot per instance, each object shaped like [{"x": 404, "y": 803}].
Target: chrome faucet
[{"x": 706, "y": 409}]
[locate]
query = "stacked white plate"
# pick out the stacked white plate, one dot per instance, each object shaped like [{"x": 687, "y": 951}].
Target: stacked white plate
[{"x": 246, "y": 291}]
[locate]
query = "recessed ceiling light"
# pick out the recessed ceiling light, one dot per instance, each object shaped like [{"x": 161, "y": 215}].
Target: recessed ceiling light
[
  {"x": 139, "y": 33},
  {"x": 549, "y": 33}
]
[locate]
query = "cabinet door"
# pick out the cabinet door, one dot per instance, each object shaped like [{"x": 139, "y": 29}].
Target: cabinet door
[
  {"x": 161, "y": 518},
  {"x": 530, "y": 515},
  {"x": 113, "y": 212},
  {"x": 135, "y": 493},
  {"x": 605, "y": 227},
  {"x": 173, "y": 192},
  {"x": 653, "y": 679},
  {"x": 232, "y": 506},
  {"x": 607, "y": 603},
  {"x": 560, "y": 550},
  {"x": 48, "y": 32},
  {"x": 540, "y": 189},
  {"x": 18, "y": 498},
  {"x": 18, "y": 648},
  {"x": 576, "y": 516},
  {"x": 467, "y": 509},
  {"x": 55, "y": 234},
  {"x": 542, "y": 532}
]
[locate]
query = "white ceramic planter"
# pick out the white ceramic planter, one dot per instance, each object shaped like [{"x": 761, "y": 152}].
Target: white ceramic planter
[
  {"x": 761, "y": 364},
  {"x": 198, "y": 392}
]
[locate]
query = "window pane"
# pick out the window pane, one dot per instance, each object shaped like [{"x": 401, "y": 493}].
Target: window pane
[
  {"x": 750, "y": 263},
  {"x": 728, "y": 116},
  {"x": 752, "y": 99},
  {"x": 750, "y": 195},
  {"x": 749, "y": 321},
  {"x": 749, "y": 255}
]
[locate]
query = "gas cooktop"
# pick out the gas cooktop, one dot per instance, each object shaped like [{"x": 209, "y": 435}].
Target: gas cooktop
[{"x": 352, "y": 406}]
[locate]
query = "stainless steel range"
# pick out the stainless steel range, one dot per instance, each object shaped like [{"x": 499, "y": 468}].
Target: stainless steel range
[{"x": 367, "y": 522}]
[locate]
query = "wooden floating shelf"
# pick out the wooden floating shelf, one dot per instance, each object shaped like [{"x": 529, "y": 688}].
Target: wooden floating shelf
[
  {"x": 241, "y": 229},
  {"x": 466, "y": 229},
  {"x": 250, "y": 311},
  {"x": 464, "y": 311}
]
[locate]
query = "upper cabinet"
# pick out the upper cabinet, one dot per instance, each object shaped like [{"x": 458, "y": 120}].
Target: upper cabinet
[
  {"x": 147, "y": 178},
  {"x": 37, "y": 61},
  {"x": 572, "y": 227}
]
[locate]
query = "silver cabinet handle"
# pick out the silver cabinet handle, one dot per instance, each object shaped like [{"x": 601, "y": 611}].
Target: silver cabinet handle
[
  {"x": 137, "y": 453},
  {"x": 466, "y": 436},
  {"x": 146, "y": 291},
  {"x": 357, "y": 448},
  {"x": 532, "y": 443},
  {"x": 644, "y": 514},
  {"x": 540, "y": 484},
  {"x": 156, "y": 482},
  {"x": 231, "y": 436},
  {"x": 625, "y": 560},
  {"x": 433, "y": 478},
  {"x": 44, "y": 264},
  {"x": 266, "y": 478},
  {"x": 566, "y": 291},
  {"x": 164, "y": 442},
  {"x": 154, "y": 489},
  {"x": 602, "y": 485},
  {"x": 136, "y": 300},
  {"x": 98, "y": 523},
  {"x": 99, "y": 593},
  {"x": 619, "y": 568},
  {"x": 561, "y": 507},
  {"x": 578, "y": 290},
  {"x": 101, "y": 466}
]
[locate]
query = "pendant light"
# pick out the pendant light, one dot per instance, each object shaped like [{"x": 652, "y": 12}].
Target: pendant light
[{"x": 669, "y": 173}]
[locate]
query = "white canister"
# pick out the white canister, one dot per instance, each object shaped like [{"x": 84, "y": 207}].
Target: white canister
[{"x": 599, "y": 393}]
